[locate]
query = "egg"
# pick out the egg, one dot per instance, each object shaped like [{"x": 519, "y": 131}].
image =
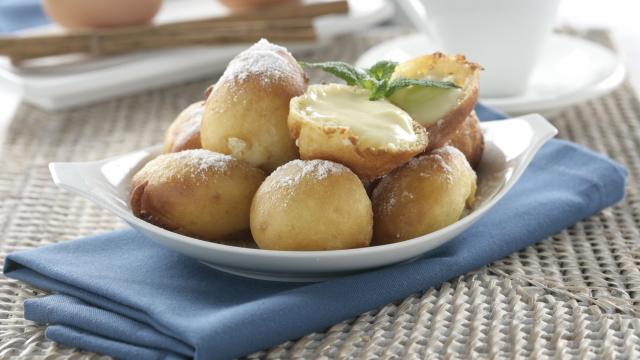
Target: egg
[{"x": 83, "y": 14}]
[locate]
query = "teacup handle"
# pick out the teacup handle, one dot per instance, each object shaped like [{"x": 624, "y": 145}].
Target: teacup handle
[{"x": 417, "y": 13}]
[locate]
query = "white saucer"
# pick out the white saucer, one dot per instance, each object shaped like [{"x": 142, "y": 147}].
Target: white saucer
[{"x": 570, "y": 70}]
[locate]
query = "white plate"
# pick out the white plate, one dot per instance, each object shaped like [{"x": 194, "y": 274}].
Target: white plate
[
  {"x": 510, "y": 146},
  {"x": 570, "y": 70},
  {"x": 63, "y": 86}
]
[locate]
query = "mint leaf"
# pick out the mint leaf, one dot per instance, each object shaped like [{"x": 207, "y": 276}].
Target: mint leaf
[
  {"x": 380, "y": 73},
  {"x": 369, "y": 84},
  {"x": 382, "y": 70},
  {"x": 376, "y": 79},
  {"x": 379, "y": 92},
  {"x": 347, "y": 72},
  {"x": 403, "y": 83}
]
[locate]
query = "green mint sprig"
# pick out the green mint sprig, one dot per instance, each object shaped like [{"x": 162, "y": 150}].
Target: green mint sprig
[{"x": 376, "y": 79}]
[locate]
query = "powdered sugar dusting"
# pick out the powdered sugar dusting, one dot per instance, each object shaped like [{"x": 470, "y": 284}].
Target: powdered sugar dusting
[
  {"x": 195, "y": 163},
  {"x": 201, "y": 160},
  {"x": 394, "y": 196},
  {"x": 266, "y": 61},
  {"x": 440, "y": 160},
  {"x": 264, "y": 45},
  {"x": 389, "y": 199},
  {"x": 316, "y": 170},
  {"x": 439, "y": 156}
]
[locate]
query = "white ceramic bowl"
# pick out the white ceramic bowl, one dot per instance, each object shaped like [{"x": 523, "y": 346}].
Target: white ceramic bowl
[{"x": 510, "y": 146}]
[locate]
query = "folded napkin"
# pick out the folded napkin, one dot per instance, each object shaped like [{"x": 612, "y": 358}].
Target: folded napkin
[
  {"x": 125, "y": 296},
  {"x": 20, "y": 14}
]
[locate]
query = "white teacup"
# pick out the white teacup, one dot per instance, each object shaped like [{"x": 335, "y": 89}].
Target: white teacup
[{"x": 504, "y": 36}]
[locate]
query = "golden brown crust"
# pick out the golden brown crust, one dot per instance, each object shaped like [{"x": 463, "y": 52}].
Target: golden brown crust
[
  {"x": 136, "y": 202},
  {"x": 246, "y": 112},
  {"x": 469, "y": 139},
  {"x": 444, "y": 129},
  {"x": 338, "y": 144},
  {"x": 196, "y": 193},
  {"x": 455, "y": 65},
  {"x": 367, "y": 163},
  {"x": 311, "y": 205},
  {"x": 425, "y": 195},
  {"x": 456, "y": 69},
  {"x": 143, "y": 205},
  {"x": 184, "y": 131}
]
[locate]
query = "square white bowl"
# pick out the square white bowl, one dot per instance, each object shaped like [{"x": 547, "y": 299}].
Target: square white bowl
[{"x": 509, "y": 147}]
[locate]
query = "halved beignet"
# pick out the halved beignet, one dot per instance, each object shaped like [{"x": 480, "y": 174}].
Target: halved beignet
[
  {"x": 198, "y": 193},
  {"x": 339, "y": 123},
  {"x": 441, "y": 111},
  {"x": 184, "y": 131},
  {"x": 469, "y": 140},
  {"x": 426, "y": 194}
]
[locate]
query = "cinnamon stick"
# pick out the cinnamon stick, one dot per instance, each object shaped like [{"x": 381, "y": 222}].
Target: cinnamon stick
[{"x": 284, "y": 23}]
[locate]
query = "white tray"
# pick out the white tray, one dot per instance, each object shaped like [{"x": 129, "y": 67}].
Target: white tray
[{"x": 55, "y": 87}]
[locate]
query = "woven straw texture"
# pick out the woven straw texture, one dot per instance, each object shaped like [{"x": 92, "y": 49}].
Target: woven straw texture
[{"x": 574, "y": 295}]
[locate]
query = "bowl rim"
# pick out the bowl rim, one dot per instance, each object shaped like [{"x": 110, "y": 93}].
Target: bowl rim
[{"x": 545, "y": 131}]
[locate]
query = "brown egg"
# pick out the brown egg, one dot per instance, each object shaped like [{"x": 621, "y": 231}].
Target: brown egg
[{"x": 83, "y": 14}]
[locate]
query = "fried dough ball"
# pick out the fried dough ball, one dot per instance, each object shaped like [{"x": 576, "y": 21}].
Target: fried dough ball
[
  {"x": 440, "y": 111},
  {"x": 427, "y": 194},
  {"x": 184, "y": 131},
  {"x": 339, "y": 123},
  {"x": 469, "y": 140},
  {"x": 197, "y": 193},
  {"x": 311, "y": 205},
  {"x": 246, "y": 112}
]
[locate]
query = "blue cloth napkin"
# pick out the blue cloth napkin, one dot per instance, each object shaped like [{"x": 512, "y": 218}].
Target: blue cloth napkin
[
  {"x": 125, "y": 296},
  {"x": 20, "y": 14}
]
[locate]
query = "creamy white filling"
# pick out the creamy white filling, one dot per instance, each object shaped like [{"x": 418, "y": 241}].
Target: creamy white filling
[{"x": 376, "y": 124}]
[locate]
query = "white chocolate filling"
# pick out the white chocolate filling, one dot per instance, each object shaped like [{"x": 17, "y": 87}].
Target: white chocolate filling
[{"x": 374, "y": 124}]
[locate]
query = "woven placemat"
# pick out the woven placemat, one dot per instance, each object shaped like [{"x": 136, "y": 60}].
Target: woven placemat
[{"x": 576, "y": 294}]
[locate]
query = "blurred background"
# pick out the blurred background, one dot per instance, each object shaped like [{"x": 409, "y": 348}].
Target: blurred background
[{"x": 571, "y": 72}]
